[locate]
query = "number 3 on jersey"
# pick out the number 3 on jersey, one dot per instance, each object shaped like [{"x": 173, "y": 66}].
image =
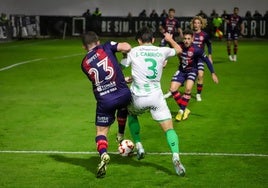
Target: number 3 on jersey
[{"x": 151, "y": 68}]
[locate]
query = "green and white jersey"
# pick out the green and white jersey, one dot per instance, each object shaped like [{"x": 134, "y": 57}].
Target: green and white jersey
[{"x": 147, "y": 63}]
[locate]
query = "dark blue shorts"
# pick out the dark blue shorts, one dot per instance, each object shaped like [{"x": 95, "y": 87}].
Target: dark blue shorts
[
  {"x": 181, "y": 76},
  {"x": 200, "y": 65},
  {"x": 105, "y": 112},
  {"x": 232, "y": 35}
]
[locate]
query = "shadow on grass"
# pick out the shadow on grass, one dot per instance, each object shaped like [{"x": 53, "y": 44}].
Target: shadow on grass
[{"x": 91, "y": 163}]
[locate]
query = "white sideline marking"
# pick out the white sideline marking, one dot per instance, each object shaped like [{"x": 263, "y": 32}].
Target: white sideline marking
[
  {"x": 67, "y": 56},
  {"x": 20, "y": 63},
  {"x": 149, "y": 153},
  {"x": 34, "y": 60}
]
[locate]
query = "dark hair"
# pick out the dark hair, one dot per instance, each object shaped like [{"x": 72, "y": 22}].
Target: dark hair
[
  {"x": 171, "y": 9},
  {"x": 236, "y": 8},
  {"x": 145, "y": 34},
  {"x": 89, "y": 38},
  {"x": 188, "y": 32}
]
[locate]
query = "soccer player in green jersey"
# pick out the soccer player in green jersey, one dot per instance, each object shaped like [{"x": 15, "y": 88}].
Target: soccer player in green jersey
[{"x": 147, "y": 62}]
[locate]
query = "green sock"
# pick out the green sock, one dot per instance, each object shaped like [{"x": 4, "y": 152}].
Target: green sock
[
  {"x": 134, "y": 127},
  {"x": 173, "y": 140}
]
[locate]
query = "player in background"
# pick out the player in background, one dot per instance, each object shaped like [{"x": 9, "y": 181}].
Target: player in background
[
  {"x": 110, "y": 90},
  {"x": 170, "y": 25},
  {"x": 234, "y": 28},
  {"x": 201, "y": 39},
  {"x": 187, "y": 71},
  {"x": 147, "y": 62}
]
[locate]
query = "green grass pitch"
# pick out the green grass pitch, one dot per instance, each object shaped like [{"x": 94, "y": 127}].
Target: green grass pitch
[{"x": 46, "y": 105}]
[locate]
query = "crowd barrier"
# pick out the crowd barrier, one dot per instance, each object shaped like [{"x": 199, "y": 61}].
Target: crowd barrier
[{"x": 23, "y": 26}]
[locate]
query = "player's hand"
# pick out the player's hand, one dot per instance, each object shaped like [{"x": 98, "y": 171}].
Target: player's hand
[
  {"x": 168, "y": 37},
  {"x": 215, "y": 78},
  {"x": 128, "y": 79}
]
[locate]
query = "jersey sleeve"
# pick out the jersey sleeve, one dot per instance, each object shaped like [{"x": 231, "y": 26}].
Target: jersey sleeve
[
  {"x": 163, "y": 23},
  {"x": 112, "y": 45},
  {"x": 177, "y": 24},
  {"x": 203, "y": 56},
  {"x": 208, "y": 43},
  {"x": 169, "y": 52}
]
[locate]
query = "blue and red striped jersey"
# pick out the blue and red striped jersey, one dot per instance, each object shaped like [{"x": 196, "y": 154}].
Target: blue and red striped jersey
[
  {"x": 103, "y": 70},
  {"x": 201, "y": 39}
]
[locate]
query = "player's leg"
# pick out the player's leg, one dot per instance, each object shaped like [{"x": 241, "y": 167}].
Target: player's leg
[
  {"x": 184, "y": 112},
  {"x": 121, "y": 104},
  {"x": 171, "y": 136},
  {"x": 134, "y": 127},
  {"x": 174, "y": 85},
  {"x": 229, "y": 50},
  {"x": 229, "y": 39},
  {"x": 161, "y": 113},
  {"x": 101, "y": 139},
  {"x": 235, "y": 49},
  {"x": 167, "y": 95},
  {"x": 173, "y": 142},
  {"x": 177, "y": 80},
  {"x": 121, "y": 119},
  {"x": 105, "y": 117},
  {"x": 102, "y": 145},
  {"x": 200, "y": 80}
]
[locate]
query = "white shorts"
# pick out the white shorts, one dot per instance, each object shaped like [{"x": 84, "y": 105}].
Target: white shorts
[{"x": 154, "y": 102}]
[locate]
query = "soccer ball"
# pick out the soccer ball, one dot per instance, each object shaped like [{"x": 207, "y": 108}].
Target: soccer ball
[{"x": 126, "y": 148}]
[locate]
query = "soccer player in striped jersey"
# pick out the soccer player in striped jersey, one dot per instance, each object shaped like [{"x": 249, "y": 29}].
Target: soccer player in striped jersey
[
  {"x": 234, "y": 28},
  {"x": 201, "y": 39},
  {"x": 147, "y": 62},
  {"x": 187, "y": 71},
  {"x": 110, "y": 90},
  {"x": 170, "y": 25}
]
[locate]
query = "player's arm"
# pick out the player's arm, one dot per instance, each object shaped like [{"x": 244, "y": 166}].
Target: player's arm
[
  {"x": 161, "y": 29},
  {"x": 210, "y": 67},
  {"x": 209, "y": 46},
  {"x": 174, "y": 44},
  {"x": 227, "y": 20},
  {"x": 242, "y": 28},
  {"x": 123, "y": 47},
  {"x": 180, "y": 32},
  {"x": 210, "y": 58},
  {"x": 124, "y": 63}
]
